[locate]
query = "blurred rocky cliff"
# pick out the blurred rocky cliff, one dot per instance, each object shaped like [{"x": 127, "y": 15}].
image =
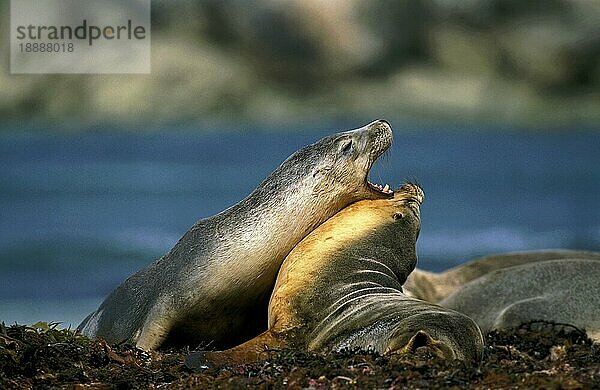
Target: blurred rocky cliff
[{"x": 533, "y": 63}]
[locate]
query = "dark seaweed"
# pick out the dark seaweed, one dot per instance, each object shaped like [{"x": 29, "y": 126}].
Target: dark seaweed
[{"x": 535, "y": 355}]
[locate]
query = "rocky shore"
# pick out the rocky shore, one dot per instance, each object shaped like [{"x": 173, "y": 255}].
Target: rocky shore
[{"x": 537, "y": 355}]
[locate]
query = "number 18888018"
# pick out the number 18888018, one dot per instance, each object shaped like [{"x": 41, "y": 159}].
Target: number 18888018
[{"x": 35, "y": 47}]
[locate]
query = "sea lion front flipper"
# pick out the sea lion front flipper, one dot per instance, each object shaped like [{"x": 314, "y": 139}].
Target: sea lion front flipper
[
  {"x": 251, "y": 351},
  {"x": 155, "y": 330}
]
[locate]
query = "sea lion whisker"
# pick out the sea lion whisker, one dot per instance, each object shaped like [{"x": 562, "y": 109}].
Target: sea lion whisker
[
  {"x": 379, "y": 263},
  {"x": 377, "y": 274}
]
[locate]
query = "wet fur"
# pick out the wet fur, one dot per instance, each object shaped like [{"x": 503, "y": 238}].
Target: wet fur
[
  {"x": 213, "y": 286},
  {"x": 341, "y": 287}
]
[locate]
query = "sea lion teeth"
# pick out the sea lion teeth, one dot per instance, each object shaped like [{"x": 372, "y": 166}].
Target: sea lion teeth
[
  {"x": 386, "y": 188},
  {"x": 379, "y": 188},
  {"x": 214, "y": 284}
]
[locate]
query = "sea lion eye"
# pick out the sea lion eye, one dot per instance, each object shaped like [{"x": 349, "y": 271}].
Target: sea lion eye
[
  {"x": 398, "y": 216},
  {"x": 347, "y": 147}
]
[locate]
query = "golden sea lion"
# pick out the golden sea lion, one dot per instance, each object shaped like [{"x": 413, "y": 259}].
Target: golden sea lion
[
  {"x": 213, "y": 286},
  {"x": 341, "y": 287}
]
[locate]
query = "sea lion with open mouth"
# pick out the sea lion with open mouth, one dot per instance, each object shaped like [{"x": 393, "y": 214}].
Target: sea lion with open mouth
[
  {"x": 213, "y": 286},
  {"x": 341, "y": 287}
]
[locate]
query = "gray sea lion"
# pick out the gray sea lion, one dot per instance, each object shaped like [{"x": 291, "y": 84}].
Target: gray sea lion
[
  {"x": 213, "y": 286},
  {"x": 434, "y": 286},
  {"x": 341, "y": 287},
  {"x": 565, "y": 291},
  {"x": 507, "y": 290}
]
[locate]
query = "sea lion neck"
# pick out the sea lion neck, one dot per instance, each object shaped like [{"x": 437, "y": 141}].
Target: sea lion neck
[
  {"x": 386, "y": 230},
  {"x": 286, "y": 216}
]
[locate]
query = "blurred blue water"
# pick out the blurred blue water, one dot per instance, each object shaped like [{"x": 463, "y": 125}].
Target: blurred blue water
[{"x": 82, "y": 212}]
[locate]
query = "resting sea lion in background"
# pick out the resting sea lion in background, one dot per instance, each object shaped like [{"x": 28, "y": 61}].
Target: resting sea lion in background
[
  {"x": 504, "y": 291},
  {"x": 341, "y": 287},
  {"x": 434, "y": 287},
  {"x": 213, "y": 286},
  {"x": 565, "y": 291}
]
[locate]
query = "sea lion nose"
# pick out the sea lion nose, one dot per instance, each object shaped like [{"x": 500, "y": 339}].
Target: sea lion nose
[
  {"x": 381, "y": 125},
  {"x": 376, "y": 127},
  {"x": 380, "y": 131},
  {"x": 413, "y": 191},
  {"x": 383, "y": 122}
]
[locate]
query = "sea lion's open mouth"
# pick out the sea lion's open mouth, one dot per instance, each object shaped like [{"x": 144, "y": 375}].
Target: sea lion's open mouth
[
  {"x": 380, "y": 189},
  {"x": 379, "y": 136}
]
